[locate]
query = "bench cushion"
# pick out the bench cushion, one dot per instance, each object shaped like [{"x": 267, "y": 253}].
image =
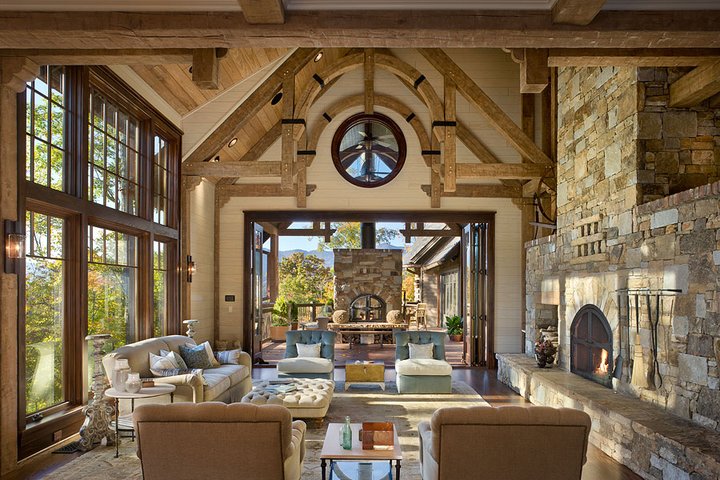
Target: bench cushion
[
  {"x": 305, "y": 365},
  {"x": 423, "y": 366}
]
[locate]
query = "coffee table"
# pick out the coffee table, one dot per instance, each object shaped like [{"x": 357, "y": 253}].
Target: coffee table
[
  {"x": 346, "y": 462},
  {"x": 365, "y": 373},
  {"x": 310, "y": 399},
  {"x": 145, "y": 392}
]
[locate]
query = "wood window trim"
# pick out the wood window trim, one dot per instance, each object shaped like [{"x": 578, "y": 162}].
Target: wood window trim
[{"x": 73, "y": 205}]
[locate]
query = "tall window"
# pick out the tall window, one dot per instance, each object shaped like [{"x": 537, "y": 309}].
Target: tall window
[
  {"x": 160, "y": 288},
  {"x": 163, "y": 178},
  {"x": 44, "y": 311},
  {"x": 45, "y": 116},
  {"x": 114, "y": 157},
  {"x": 112, "y": 284}
]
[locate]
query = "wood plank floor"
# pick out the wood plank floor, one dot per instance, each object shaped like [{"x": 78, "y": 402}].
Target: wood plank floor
[{"x": 598, "y": 467}]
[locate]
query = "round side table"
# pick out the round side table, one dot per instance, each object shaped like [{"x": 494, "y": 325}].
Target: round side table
[{"x": 145, "y": 392}]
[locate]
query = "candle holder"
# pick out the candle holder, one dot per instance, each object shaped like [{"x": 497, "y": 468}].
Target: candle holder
[
  {"x": 98, "y": 412},
  {"x": 191, "y": 327}
]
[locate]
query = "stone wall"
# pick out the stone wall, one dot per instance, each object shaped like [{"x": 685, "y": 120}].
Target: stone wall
[
  {"x": 677, "y": 148},
  {"x": 670, "y": 243},
  {"x": 374, "y": 271}
]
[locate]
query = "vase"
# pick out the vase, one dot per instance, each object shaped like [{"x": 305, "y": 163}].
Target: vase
[
  {"x": 541, "y": 360},
  {"x": 133, "y": 383},
  {"x": 120, "y": 374}
]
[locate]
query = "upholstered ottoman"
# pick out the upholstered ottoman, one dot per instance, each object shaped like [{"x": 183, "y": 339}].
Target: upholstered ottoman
[{"x": 310, "y": 399}]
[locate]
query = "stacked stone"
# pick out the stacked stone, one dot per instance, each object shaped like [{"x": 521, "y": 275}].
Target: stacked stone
[{"x": 368, "y": 271}]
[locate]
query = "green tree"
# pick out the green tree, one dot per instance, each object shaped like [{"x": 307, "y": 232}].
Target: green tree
[
  {"x": 304, "y": 278},
  {"x": 347, "y": 235}
]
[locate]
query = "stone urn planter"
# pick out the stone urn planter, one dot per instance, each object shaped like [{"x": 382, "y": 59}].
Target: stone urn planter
[{"x": 456, "y": 338}]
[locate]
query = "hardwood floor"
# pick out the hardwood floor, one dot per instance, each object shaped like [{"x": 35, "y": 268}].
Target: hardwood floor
[{"x": 598, "y": 467}]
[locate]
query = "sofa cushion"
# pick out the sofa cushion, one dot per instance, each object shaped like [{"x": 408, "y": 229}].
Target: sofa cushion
[
  {"x": 236, "y": 373},
  {"x": 423, "y": 366},
  {"x": 216, "y": 383},
  {"x": 305, "y": 365}
]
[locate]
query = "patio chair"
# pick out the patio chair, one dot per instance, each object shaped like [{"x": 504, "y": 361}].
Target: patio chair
[
  {"x": 294, "y": 365},
  {"x": 422, "y": 375},
  {"x": 421, "y": 315}
]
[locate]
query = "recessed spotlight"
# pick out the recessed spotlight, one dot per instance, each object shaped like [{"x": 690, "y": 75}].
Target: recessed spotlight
[
  {"x": 276, "y": 99},
  {"x": 216, "y": 159},
  {"x": 190, "y": 69},
  {"x": 232, "y": 142},
  {"x": 318, "y": 56}
]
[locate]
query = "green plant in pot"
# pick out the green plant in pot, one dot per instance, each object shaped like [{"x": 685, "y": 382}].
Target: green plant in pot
[
  {"x": 280, "y": 323},
  {"x": 454, "y": 326}
]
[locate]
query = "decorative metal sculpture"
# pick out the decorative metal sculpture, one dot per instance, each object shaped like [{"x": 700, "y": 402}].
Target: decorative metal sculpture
[
  {"x": 191, "y": 327},
  {"x": 98, "y": 412}
]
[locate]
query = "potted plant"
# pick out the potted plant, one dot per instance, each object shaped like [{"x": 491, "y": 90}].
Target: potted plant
[
  {"x": 544, "y": 352},
  {"x": 454, "y": 326},
  {"x": 280, "y": 322},
  {"x": 293, "y": 315}
]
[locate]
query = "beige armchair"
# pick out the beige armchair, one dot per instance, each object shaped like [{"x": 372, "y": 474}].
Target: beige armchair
[
  {"x": 509, "y": 443},
  {"x": 215, "y": 440}
]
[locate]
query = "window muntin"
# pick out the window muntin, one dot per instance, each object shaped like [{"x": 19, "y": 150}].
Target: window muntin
[
  {"x": 160, "y": 288},
  {"x": 44, "y": 311},
  {"x": 112, "y": 284},
  {"x": 114, "y": 156},
  {"x": 163, "y": 178},
  {"x": 45, "y": 128}
]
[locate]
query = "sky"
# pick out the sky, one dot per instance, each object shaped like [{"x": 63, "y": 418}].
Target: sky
[{"x": 311, "y": 243}]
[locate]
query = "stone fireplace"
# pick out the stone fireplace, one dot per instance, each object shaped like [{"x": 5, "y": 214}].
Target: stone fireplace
[
  {"x": 368, "y": 282},
  {"x": 591, "y": 349}
]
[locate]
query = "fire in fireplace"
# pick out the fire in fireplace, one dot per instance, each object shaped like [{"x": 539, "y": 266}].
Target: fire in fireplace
[
  {"x": 591, "y": 348},
  {"x": 367, "y": 308}
]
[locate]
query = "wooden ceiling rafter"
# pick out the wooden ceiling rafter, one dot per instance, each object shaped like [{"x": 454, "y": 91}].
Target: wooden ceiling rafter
[
  {"x": 576, "y": 12},
  {"x": 102, "y": 56},
  {"x": 263, "y": 12},
  {"x": 478, "y": 191},
  {"x": 696, "y": 86},
  {"x": 631, "y": 57}
]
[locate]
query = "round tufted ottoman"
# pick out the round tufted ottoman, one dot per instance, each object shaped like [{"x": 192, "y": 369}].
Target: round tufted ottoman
[{"x": 310, "y": 399}]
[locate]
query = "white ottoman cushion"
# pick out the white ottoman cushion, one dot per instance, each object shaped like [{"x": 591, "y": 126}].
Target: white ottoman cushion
[
  {"x": 310, "y": 399},
  {"x": 423, "y": 366},
  {"x": 305, "y": 365}
]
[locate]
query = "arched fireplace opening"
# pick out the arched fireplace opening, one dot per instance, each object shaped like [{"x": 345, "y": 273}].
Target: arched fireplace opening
[
  {"x": 591, "y": 346},
  {"x": 367, "y": 308}
]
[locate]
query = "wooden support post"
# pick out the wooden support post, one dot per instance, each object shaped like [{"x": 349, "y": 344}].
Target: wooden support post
[
  {"x": 527, "y": 210},
  {"x": 301, "y": 184},
  {"x": 369, "y": 80},
  {"x": 435, "y": 180},
  {"x": 534, "y": 71},
  {"x": 449, "y": 145},
  {"x": 205, "y": 68},
  {"x": 289, "y": 146}
]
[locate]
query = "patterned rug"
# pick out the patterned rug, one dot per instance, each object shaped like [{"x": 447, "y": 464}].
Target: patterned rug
[{"x": 360, "y": 404}]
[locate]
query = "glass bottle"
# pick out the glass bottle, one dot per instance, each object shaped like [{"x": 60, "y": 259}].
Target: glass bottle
[{"x": 346, "y": 435}]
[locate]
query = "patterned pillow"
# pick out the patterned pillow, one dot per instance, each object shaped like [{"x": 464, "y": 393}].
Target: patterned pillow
[
  {"x": 195, "y": 356},
  {"x": 424, "y": 350},
  {"x": 209, "y": 351},
  {"x": 176, "y": 357},
  {"x": 229, "y": 357},
  {"x": 159, "y": 363},
  {"x": 308, "y": 350}
]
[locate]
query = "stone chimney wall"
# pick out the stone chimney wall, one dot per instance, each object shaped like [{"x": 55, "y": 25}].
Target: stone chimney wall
[{"x": 363, "y": 271}]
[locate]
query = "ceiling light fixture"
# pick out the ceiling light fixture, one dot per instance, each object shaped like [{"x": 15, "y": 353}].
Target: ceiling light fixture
[
  {"x": 276, "y": 99},
  {"x": 232, "y": 142},
  {"x": 216, "y": 159},
  {"x": 190, "y": 69},
  {"x": 318, "y": 56}
]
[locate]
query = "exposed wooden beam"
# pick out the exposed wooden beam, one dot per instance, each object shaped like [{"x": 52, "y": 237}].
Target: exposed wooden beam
[
  {"x": 263, "y": 12},
  {"x": 480, "y": 191},
  {"x": 362, "y": 28},
  {"x": 507, "y": 171},
  {"x": 480, "y": 100},
  {"x": 714, "y": 101},
  {"x": 449, "y": 147},
  {"x": 205, "y": 68},
  {"x": 300, "y": 187},
  {"x": 453, "y": 231},
  {"x": 259, "y": 190},
  {"x": 696, "y": 86},
  {"x": 289, "y": 145},
  {"x": 306, "y": 232},
  {"x": 631, "y": 57},
  {"x": 534, "y": 70},
  {"x": 576, "y": 12},
  {"x": 251, "y": 106},
  {"x": 231, "y": 169},
  {"x": 369, "y": 72},
  {"x": 475, "y": 145},
  {"x": 101, "y": 56},
  {"x": 529, "y": 189}
]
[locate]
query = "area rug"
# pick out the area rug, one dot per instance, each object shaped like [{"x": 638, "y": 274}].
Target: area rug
[{"x": 360, "y": 404}]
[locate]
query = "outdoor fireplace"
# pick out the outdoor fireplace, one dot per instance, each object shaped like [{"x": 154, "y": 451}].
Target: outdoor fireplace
[
  {"x": 591, "y": 346},
  {"x": 367, "y": 308}
]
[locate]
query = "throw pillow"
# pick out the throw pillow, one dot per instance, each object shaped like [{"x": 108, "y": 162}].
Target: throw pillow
[
  {"x": 195, "y": 356},
  {"x": 171, "y": 372},
  {"x": 308, "y": 350},
  {"x": 159, "y": 363},
  {"x": 176, "y": 357},
  {"x": 229, "y": 357},
  {"x": 210, "y": 353},
  {"x": 421, "y": 350}
]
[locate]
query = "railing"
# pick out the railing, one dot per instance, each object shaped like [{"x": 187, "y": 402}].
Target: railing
[{"x": 307, "y": 312}]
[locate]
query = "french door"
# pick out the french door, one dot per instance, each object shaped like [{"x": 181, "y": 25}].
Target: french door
[
  {"x": 477, "y": 325},
  {"x": 256, "y": 289}
]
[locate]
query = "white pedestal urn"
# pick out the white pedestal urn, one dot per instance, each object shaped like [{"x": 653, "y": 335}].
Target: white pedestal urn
[
  {"x": 191, "y": 327},
  {"x": 98, "y": 412}
]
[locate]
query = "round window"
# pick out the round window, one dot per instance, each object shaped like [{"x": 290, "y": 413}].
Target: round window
[{"x": 368, "y": 150}]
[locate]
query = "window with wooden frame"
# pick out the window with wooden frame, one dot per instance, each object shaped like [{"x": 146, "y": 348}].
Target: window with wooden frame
[{"x": 106, "y": 259}]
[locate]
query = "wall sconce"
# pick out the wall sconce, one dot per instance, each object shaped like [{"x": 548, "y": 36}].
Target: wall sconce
[
  {"x": 14, "y": 245},
  {"x": 190, "y": 268}
]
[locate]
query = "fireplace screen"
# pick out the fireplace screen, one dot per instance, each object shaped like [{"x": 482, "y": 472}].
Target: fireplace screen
[
  {"x": 591, "y": 346},
  {"x": 367, "y": 308}
]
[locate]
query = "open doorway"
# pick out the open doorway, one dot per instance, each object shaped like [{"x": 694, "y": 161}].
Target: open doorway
[{"x": 423, "y": 268}]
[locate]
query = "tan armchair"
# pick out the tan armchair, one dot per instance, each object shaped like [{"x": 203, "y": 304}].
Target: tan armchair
[
  {"x": 509, "y": 443},
  {"x": 215, "y": 440}
]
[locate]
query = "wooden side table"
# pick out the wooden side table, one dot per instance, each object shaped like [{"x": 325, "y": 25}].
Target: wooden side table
[
  {"x": 145, "y": 392},
  {"x": 366, "y": 373}
]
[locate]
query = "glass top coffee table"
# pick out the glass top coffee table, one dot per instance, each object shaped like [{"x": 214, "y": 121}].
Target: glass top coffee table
[{"x": 356, "y": 463}]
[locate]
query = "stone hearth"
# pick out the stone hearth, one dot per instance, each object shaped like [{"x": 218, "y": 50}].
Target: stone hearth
[{"x": 368, "y": 271}]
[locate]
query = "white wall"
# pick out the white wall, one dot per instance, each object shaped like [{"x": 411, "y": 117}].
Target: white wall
[
  {"x": 202, "y": 241},
  {"x": 495, "y": 72}
]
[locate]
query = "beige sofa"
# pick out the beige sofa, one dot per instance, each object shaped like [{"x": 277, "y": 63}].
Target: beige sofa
[
  {"x": 511, "y": 443},
  {"x": 214, "y": 440},
  {"x": 226, "y": 383}
]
